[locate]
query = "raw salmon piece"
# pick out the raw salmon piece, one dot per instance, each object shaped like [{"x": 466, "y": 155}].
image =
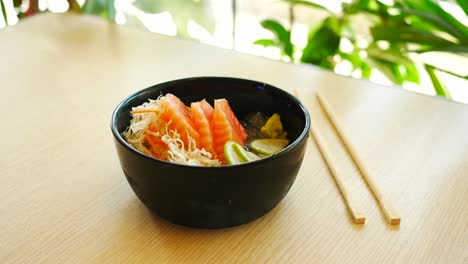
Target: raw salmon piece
[
  {"x": 174, "y": 110},
  {"x": 226, "y": 127},
  {"x": 201, "y": 119},
  {"x": 207, "y": 109}
]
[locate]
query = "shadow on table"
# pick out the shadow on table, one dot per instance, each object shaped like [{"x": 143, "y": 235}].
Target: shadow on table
[{"x": 168, "y": 226}]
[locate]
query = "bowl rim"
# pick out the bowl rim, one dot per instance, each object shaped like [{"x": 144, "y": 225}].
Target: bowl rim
[{"x": 123, "y": 142}]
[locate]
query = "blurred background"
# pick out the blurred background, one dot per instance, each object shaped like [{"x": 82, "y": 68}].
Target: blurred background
[{"x": 421, "y": 45}]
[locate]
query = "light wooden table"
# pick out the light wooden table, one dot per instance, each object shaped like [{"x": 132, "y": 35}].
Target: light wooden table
[{"x": 64, "y": 198}]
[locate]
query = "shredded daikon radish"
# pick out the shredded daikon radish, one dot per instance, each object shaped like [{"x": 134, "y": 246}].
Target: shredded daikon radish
[
  {"x": 190, "y": 155},
  {"x": 135, "y": 133}
]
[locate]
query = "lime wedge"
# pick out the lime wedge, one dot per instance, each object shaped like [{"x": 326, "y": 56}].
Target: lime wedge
[
  {"x": 236, "y": 154},
  {"x": 268, "y": 146},
  {"x": 244, "y": 154},
  {"x": 231, "y": 155}
]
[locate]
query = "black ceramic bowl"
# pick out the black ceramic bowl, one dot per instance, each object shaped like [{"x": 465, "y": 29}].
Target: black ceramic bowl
[{"x": 215, "y": 197}]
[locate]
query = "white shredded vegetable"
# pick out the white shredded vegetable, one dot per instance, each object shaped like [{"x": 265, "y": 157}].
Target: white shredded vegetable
[{"x": 148, "y": 113}]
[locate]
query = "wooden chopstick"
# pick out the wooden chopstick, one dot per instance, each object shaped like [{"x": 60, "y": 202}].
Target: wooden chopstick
[
  {"x": 350, "y": 200},
  {"x": 353, "y": 206},
  {"x": 385, "y": 204}
]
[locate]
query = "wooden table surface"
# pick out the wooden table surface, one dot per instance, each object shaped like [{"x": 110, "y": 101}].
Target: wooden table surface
[{"x": 64, "y": 198}]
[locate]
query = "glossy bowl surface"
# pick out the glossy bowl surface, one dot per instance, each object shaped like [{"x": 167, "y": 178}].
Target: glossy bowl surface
[{"x": 215, "y": 197}]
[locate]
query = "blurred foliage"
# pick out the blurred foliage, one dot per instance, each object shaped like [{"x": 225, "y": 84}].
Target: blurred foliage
[
  {"x": 182, "y": 11},
  {"x": 104, "y": 8},
  {"x": 395, "y": 32},
  {"x": 392, "y": 34}
]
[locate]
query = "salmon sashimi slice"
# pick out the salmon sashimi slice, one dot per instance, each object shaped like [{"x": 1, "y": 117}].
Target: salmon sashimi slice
[
  {"x": 207, "y": 109},
  {"x": 226, "y": 127},
  {"x": 173, "y": 110},
  {"x": 202, "y": 115}
]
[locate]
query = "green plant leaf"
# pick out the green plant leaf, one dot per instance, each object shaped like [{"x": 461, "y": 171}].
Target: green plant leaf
[
  {"x": 460, "y": 49},
  {"x": 322, "y": 43},
  {"x": 110, "y": 8},
  {"x": 266, "y": 42},
  {"x": 347, "y": 30},
  {"x": 415, "y": 4},
  {"x": 401, "y": 67},
  {"x": 357, "y": 62},
  {"x": 406, "y": 34},
  {"x": 464, "y": 5},
  {"x": 274, "y": 26},
  {"x": 74, "y": 6},
  {"x": 421, "y": 23},
  {"x": 389, "y": 69},
  {"x": 398, "y": 70},
  {"x": 308, "y": 4},
  {"x": 17, "y": 3},
  {"x": 95, "y": 7},
  {"x": 391, "y": 55},
  {"x": 327, "y": 63},
  {"x": 435, "y": 20},
  {"x": 439, "y": 87},
  {"x": 412, "y": 73},
  {"x": 435, "y": 7},
  {"x": 352, "y": 57},
  {"x": 360, "y": 6},
  {"x": 4, "y": 15},
  {"x": 366, "y": 70},
  {"x": 447, "y": 71},
  {"x": 103, "y": 8},
  {"x": 281, "y": 33}
]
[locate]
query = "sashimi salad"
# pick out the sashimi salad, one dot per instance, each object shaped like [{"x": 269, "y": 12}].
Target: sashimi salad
[{"x": 201, "y": 134}]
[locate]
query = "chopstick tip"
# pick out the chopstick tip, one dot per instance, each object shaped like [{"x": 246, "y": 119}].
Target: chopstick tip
[
  {"x": 360, "y": 220},
  {"x": 395, "y": 221}
]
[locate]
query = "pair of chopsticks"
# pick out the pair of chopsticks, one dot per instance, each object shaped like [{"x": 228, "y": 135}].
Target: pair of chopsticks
[{"x": 351, "y": 202}]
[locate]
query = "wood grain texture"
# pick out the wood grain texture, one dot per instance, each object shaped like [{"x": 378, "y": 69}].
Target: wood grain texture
[
  {"x": 64, "y": 198},
  {"x": 340, "y": 172},
  {"x": 385, "y": 203}
]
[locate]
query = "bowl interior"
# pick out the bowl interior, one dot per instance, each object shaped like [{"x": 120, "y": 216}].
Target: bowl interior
[{"x": 244, "y": 97}]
